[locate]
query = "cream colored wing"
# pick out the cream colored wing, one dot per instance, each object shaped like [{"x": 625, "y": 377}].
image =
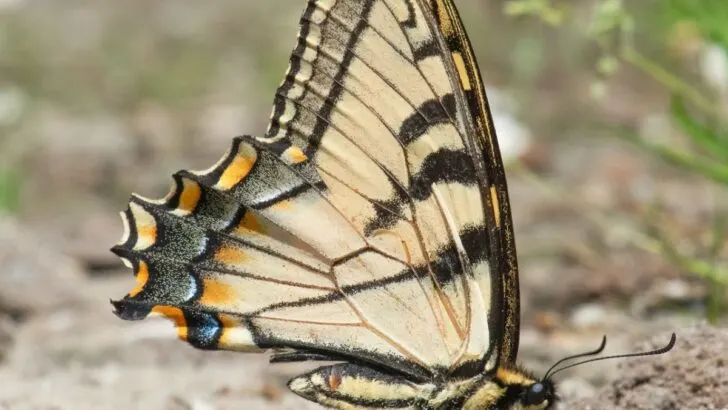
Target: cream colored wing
[{"x": 361, "y": 226}]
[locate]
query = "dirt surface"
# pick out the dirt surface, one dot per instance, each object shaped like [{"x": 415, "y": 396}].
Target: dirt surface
[
  {"x": 147, "y": 90},
  {"x": 692, "y": 376},
  {"x": 68, "y": 351}
]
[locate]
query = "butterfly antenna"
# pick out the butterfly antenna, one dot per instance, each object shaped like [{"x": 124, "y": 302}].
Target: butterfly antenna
[
  {"x": 661, "y": 350},
  {"x": 576, "y": 356}
]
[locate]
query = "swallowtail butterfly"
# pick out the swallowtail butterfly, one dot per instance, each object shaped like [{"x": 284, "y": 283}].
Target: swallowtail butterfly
[{"x": 369, "y": 226}]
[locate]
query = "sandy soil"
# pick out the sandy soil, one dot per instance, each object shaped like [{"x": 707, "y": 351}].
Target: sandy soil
[{"x": 146, "y": 91}]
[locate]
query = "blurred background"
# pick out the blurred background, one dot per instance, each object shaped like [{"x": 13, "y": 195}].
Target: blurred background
[{"x": 611, "y": 117}]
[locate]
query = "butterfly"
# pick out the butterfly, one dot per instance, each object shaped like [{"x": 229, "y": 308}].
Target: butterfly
[{"x": 370, "y": 225}]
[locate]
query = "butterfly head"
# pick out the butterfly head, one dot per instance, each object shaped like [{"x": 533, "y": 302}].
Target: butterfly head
[
  {"x": 538, "y": 395},
  {"x": 517, "y": 390},
  {"x": 524, "y": 393}
]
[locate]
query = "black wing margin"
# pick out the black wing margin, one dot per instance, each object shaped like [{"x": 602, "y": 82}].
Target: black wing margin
[{"x": 504, "y": 318}]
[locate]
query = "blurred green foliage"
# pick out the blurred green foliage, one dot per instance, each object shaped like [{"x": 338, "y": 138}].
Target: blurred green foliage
[
  {"x": 10, "y": 184},
  {"x": 704, "y": 126},
  {"x": 708, "y": 16},
  {"x": 697, "y": 109}
]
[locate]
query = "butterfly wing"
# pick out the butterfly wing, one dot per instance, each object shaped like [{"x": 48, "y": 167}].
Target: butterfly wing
[
  {"x": 505, "y": 303},
  {"x": 370, "y": 222}
]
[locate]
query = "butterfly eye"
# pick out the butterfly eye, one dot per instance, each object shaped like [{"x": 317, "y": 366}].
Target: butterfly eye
[{"x": 536, "y": 394}]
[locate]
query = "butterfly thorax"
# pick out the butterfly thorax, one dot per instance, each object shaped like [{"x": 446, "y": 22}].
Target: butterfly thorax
[
  {"x": 505, "y": 390},
  {"x": 513, "y": 390}
]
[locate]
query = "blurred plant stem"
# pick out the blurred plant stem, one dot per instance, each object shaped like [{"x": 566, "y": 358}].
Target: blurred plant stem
[
  {"x": 12, "y": 149},
  {"x": 698, "y": 118},
  {"x": 706, "y": 155},
  {"x": 9, "y": 191},
  {"x": 668, "y": 79}
]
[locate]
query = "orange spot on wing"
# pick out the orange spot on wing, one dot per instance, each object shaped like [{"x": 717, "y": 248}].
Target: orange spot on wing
[
  {"x": 284, "y": 205},
  {"x": 236, "y": 171},
  {"x": 176, "y": 315},
  {"x": 457, "y": 58},
  {"x": 495, "y": 204},
  {"x": 231, "y": 256},
  {"x": 216, "y": 293},
  {"x": 250, "y": 223},
  {"x": 228, "y": 322},
  {"x": 190, "y": 196},
  {"x": 294, "y": 155},
  {"x": 334, "y": 381},
  {"x": 142, "y": 276},
  {"x": 148, "y": 233},
  {"x": 235, "y": 335}
]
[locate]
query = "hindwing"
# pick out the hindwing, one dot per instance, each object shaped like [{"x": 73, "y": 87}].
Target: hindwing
[{"x": 370, "y": 223}]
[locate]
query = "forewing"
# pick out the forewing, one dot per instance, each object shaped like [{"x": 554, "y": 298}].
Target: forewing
[{"x": 504, "y": 313}]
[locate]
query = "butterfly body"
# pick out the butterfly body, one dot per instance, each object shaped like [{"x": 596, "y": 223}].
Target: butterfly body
[
  {"x": 358, "y": 387},
  {"x": 370, "y": 225}
]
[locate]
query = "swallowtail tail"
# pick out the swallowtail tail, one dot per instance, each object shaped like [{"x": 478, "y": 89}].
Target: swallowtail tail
[{"x": 370, "y": 226}]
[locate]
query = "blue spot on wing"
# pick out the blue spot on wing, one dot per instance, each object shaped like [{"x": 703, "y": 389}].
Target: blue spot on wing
[{"x": 204, "y": 330}]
